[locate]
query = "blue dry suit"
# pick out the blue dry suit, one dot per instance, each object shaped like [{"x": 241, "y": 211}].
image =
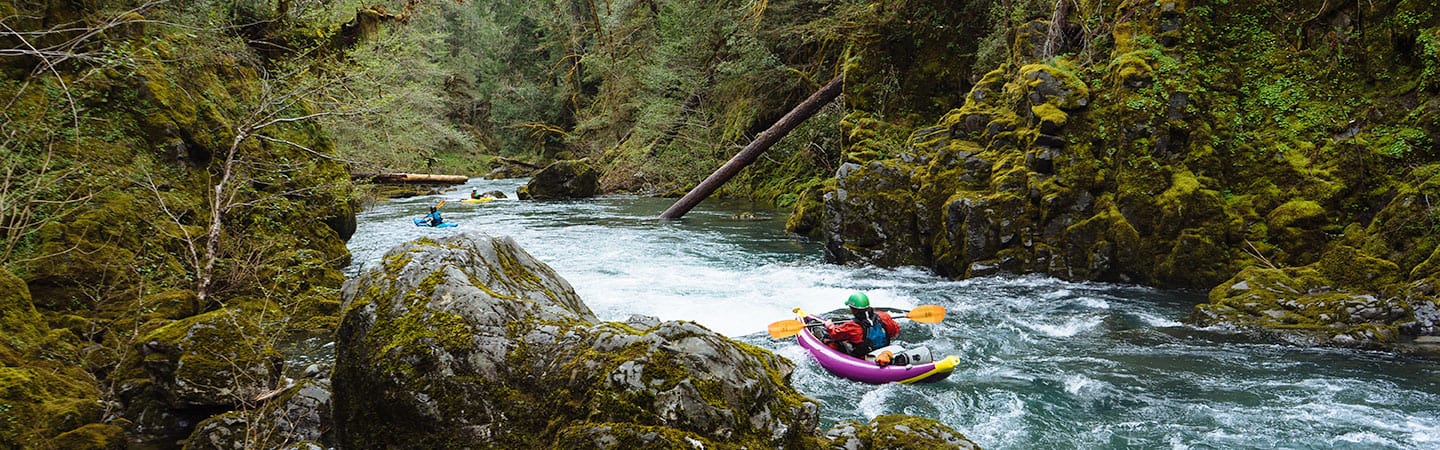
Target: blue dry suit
[{"x": 434, "y": 218}]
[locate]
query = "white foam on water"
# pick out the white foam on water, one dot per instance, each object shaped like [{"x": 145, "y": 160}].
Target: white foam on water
[
  {"x": 1083, "y": 386},
  {"x": 735, "y": 302},
  {"x": 1056, "y": 294},
  {"x": 1155, "y": 320},
  {"x": 874, "y": 402},
  {"x": 1423, "y": 431},
  {"x": 1068, "y": 328},
  {"x": 1366, "y": 439},
  {"x": 1001, "y": 422}
]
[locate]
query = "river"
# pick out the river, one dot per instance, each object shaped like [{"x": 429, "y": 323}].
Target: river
[{"x": 1045, "y": 363}]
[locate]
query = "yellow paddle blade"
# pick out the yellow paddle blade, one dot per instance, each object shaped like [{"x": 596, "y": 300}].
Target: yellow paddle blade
[
  {"x": 438, "y": 205},
  {"x": 927, "y": 314},
  {"x": 785, "y": 328}
]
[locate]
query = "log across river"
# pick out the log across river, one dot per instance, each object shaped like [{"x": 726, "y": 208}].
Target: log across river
[{"x": 1044, "y": 363}]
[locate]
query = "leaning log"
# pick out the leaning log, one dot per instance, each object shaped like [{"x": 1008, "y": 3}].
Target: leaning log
[
  {"x": 409, "y": 178},
  {"x": 761, "y": 143}
]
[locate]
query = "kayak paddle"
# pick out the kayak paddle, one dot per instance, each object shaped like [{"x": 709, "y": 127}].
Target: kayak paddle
[
  {"x": 787, "y": 328},
  {"x": 922, "y": 314}
]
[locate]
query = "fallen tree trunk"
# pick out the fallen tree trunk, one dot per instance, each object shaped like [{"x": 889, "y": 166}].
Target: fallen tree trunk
[
  {"x": 761, "y": 143},
  {"x": 409, "y": 178}
]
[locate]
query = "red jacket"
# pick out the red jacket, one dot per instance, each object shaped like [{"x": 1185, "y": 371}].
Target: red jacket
[{"x": 853, "y": 333}]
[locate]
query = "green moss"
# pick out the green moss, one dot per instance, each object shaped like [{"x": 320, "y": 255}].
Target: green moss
[
  {"x": 628, "y": 435},
  {"x": 217, "y": 357},
  {"x": 92, "y": 436},
  {"x": 809, "y": 211},
  {"x": 1353, "y": 270},
  {"x": 1183, "y": 184},
  {"x": 1296, "y": 213},
  {"x": 1049, "y": 115},
  {"x": 20, "y": 325}
]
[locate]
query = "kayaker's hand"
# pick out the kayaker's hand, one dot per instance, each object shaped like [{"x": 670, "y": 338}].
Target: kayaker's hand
[{"x": 884, "y": 358}]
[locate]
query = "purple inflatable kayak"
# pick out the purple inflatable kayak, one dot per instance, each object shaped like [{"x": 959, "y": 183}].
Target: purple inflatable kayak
[{"x": 852, "y": 368}]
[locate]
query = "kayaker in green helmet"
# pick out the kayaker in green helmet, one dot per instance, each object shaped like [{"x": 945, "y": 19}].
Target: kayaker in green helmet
[{"x": 869, "y": 330}]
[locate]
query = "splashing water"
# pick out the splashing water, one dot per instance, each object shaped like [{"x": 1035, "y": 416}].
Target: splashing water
[{"x": 1044, "y": 363}]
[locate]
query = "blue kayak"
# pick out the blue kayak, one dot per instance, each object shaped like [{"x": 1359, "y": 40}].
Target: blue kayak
[{"x": 421, "y": 223}]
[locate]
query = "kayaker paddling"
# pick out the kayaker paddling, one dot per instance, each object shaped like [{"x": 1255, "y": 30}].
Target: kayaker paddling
[
  {"x": 868, "y": 330},
  {"x": 888, "y": 364}
]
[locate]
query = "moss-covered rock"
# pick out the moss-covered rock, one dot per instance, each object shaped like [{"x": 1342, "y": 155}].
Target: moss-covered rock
[
  {"x": 21, "y": 326},
  {"x": 44, "y": 391},
  {"x": 217, "y": 359},
  {"x": 94, "y": 436},
  {"x": 873, "y": 209},
  {"x": 562, "y": 180},
  {"x": 44, "y": 399}
]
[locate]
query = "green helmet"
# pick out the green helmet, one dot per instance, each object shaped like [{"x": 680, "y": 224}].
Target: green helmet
[{"x": 858, "y": 300}]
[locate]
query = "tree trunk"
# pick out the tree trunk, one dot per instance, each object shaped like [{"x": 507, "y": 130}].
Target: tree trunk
[
  {"x": 761, "y": 143},
  {"x": 401, "y": 177}
]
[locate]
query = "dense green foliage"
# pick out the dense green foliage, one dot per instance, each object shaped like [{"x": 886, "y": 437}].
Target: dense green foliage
[{"x": 168, "y": 167}]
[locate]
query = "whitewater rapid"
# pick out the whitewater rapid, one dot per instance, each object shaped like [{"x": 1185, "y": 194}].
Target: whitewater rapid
[{"x": 1045, "y": 363}]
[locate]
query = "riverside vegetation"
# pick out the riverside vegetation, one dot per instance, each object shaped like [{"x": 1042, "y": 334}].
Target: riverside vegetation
[{"x": 175, "y": 193}]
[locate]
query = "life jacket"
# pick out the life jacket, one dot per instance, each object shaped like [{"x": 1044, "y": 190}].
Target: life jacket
[{"x": 875, "y": 335}]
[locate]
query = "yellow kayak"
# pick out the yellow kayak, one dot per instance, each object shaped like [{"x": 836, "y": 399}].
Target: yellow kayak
[{"x": 478, "y": 200}]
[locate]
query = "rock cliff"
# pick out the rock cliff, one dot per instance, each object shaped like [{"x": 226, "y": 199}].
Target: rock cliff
[{"x": 1285, "y": 163}]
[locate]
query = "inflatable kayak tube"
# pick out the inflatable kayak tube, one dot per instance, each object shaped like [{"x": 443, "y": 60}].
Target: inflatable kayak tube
[
  {"x": 856, "y": 369},
  {"x": 421, "y": 223}
]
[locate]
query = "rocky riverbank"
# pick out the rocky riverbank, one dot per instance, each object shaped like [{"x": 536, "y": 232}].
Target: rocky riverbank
[
  {"x": 470, "y": 341},
  {"x": 1302, "y": 191}
]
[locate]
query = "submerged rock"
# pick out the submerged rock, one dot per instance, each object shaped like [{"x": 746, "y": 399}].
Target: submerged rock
[{"x": 470, "y": 340}]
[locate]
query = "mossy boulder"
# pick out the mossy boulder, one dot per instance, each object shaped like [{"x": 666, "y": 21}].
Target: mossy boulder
[
  {"x": 44, "y": 392},
  {"x": 1306, "y": 305},
  {"x": 94, "y": 436},
  {"x": 216, "y": 359},
  {"x": 21, "y": 326},
  {"x": 870, "y": 217},
  {"x": 562, "y": 180},
  {"x": 809, "y": 209},
  {"x": 44, "y": 399}
]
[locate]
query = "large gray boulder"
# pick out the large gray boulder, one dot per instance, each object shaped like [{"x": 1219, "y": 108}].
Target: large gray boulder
[
  {"x": 562, "y": 180},
  {"x": 470, "y": 341}
]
